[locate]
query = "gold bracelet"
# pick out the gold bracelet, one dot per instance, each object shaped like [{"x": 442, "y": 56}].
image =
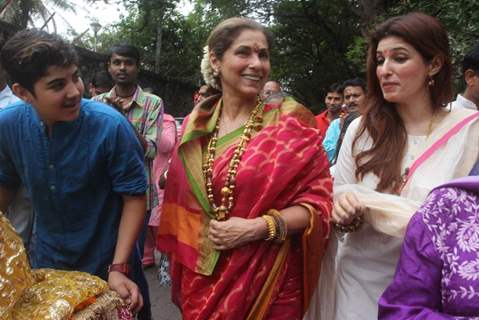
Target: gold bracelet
[
  {"x": 271, "y": 227},
  {"x": 282, "y": 228}
]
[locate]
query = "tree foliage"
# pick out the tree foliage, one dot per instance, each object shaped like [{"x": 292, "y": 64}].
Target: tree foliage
[
  {"x": 21, "y": 13},
  {"x": 182, "y": 37},
  {"x": 311, "y": 47},
  {"x": 317, "y": 42},
  {"x": 459, "y": 17}
]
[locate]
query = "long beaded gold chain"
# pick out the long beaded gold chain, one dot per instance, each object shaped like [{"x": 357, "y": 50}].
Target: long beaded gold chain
[{"x": 254, "y": 122}]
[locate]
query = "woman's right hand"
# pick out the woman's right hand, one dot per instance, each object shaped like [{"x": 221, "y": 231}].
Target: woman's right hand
[
  {"x": 347, "y": 207},
  {"x": 236, "y": 232}
]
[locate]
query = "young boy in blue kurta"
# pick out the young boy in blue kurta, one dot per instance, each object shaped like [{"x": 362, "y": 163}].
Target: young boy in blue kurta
[{"x": 79, "y": 160}]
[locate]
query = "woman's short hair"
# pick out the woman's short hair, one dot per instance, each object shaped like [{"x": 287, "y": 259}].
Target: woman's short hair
[
  {"x": 220, "y": 39},
  {"x": 225, "y": 33}
]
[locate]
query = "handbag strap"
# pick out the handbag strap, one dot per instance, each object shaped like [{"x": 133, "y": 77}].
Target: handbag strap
[{"x": 436, "y": 145}]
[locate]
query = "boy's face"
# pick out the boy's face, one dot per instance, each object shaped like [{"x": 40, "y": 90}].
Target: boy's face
[
  {"x": 123, "y": 70},
  {"x": 354, "y": 97},
  {"x": 472, "y": 81},
  {"x": 333, "y": 101},
  {"x": 57, "y": 94}
]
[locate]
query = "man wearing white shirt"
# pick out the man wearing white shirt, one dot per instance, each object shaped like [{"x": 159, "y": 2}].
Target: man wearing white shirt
[
  {"x": 6, "y": 95},
  {"x": 470, "y": 68}
]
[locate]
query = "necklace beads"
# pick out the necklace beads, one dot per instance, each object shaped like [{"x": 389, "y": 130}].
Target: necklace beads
[{"x": 221, "y": 212}]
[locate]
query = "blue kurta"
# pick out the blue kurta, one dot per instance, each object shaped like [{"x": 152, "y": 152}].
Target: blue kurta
[
  {"x": 330, "y": 141},
  {"x": 75, "y": 178}
]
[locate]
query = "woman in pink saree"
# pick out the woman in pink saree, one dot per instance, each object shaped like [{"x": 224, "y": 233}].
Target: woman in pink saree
[{"x": 160, "y": 165}]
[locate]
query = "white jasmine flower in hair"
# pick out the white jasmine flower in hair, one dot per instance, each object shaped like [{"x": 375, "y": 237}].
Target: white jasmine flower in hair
[{"x": 207, "y": 69}]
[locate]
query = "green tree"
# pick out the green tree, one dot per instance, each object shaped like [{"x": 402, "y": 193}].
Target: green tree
[
  {"x": 459, "y": 17},
  {"x": 175, "y": 51},
  {"x": 316, "y": 42},
  {"x": 23, "y": 12},
  {"x": 312, "y": 42}
]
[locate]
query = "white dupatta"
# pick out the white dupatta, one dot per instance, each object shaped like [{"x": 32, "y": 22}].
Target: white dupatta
[{"x": 358, "y": 266}]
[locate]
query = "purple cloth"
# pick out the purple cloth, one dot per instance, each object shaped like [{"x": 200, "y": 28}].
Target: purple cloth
[
  {"x": 475, "y": 170},
  {"x": 470, "y": 183},
  {"x": 438, "y": 272}
]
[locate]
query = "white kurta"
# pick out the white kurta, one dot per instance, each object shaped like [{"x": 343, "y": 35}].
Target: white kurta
[{"x": 358, "y": 266}]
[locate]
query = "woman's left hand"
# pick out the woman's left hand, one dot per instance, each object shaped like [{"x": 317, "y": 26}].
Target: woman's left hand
[{"x": 236, "y": 232}]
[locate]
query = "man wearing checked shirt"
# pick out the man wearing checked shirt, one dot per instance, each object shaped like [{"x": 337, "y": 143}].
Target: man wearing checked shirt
[{"x": 145, "y": 112}]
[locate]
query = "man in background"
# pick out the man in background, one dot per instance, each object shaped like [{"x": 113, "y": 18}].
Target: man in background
[
  {"x": 145, "y": 112},
  {"x": 20, "y": 211},
  {"x": 100, "y": 83},
  {"x": 470, "y": 70},
  {"x": 354, "y": 105},
  {"x": 333, "y": 101},
  {"x": 6, "y": 95},
  {"x": 270, "y": 88}
]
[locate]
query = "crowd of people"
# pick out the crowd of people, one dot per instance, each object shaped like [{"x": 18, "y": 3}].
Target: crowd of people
[{"x": 259, "y": 209}]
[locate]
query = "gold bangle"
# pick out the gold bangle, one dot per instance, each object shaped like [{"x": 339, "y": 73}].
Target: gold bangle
[
  {"x": 271, "y": 227},
  {"x": 282, "y": 228}
]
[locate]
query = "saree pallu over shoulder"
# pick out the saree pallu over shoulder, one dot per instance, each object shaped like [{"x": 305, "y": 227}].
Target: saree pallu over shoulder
[{"x": 283, "y": 165}]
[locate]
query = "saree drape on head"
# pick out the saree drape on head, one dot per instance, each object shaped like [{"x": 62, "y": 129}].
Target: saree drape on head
[{"x": 283, "y": 165}]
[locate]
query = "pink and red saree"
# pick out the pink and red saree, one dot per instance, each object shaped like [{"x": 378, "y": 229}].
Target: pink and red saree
[{"x": 283, "y": 165}]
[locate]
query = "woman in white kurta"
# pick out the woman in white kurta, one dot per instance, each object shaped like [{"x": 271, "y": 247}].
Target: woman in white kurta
[{"x": 416, "y": 144}]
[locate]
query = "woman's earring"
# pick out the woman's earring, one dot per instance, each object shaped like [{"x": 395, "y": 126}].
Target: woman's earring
[
  {"x": 216, "y": 73},
  {"x": 431, "y": 82}
]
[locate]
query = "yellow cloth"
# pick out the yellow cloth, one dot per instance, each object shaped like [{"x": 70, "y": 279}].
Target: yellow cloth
[
  {"x": 15, "y": 273},
  {"x": 44, "y": 293},
  {"x": 56, "y": 293}
]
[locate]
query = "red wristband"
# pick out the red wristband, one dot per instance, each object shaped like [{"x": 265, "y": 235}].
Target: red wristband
[{"x": 119, "y": 267}]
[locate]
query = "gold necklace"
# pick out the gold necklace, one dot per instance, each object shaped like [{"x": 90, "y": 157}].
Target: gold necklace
[{"x": 227, "y": 192}]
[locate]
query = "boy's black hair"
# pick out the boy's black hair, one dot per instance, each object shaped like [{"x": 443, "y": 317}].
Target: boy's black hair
[
  {"x": 471, "y": 60},
  {"x": 336, "y": 87},
  {"x": 28, "y": 54},
  {"x": 102, "y": 79},
  {"x": 125, "y": 50},
  {"x": 356, "y": 82}
]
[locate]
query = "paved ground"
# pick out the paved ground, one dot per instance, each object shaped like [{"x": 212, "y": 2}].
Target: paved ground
[{"x": 161, "y": 305}]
